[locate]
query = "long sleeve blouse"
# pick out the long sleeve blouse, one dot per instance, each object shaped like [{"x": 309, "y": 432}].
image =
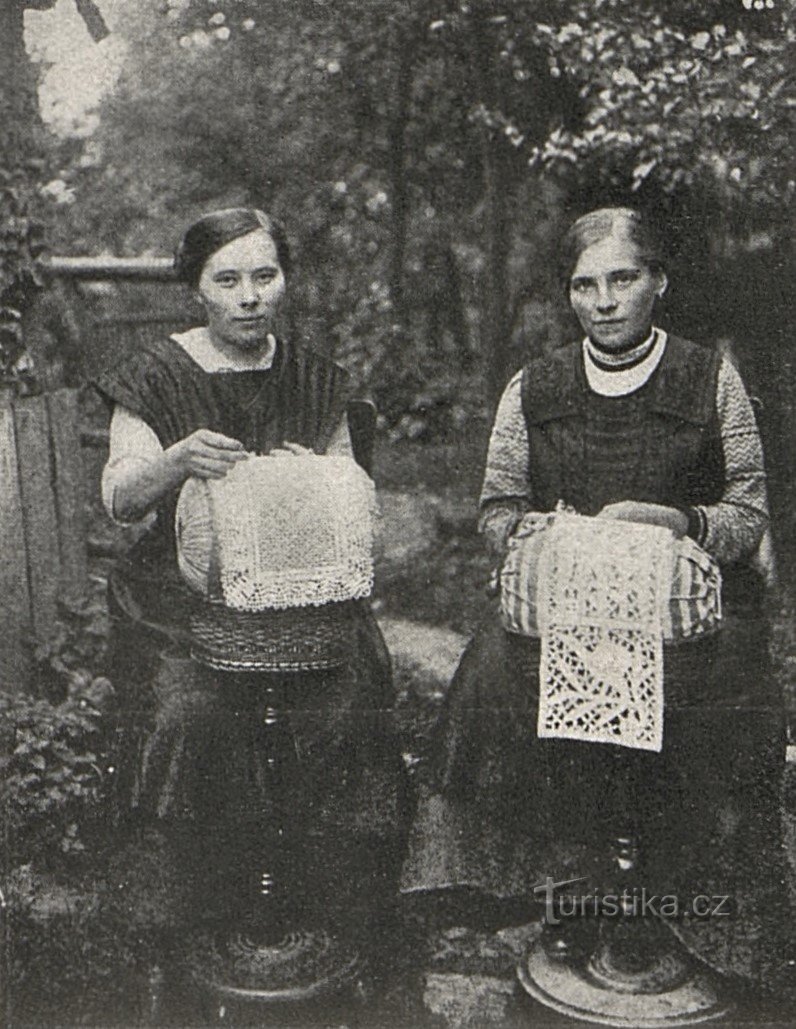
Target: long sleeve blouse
[{"x": 732, "y": 528}]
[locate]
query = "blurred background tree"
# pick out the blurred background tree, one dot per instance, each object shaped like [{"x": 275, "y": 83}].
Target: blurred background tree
[
  {"x": 426, "y": 154},
  {"x": 24, "y": 155}
]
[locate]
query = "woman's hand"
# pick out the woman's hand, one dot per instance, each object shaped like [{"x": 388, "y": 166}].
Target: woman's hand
[
  {"x": 205, "y": 454},
  {"x": 647, "y": 514},
  {"x": 287, "y": 448}
]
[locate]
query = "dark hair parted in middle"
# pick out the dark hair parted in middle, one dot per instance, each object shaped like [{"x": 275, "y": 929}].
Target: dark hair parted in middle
[
  {"x": 217, "y": 228},
  {"x": 598, "y": 225}
]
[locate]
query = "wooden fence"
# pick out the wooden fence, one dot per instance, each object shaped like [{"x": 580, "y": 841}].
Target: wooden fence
[{"x": 91, "y": 305}]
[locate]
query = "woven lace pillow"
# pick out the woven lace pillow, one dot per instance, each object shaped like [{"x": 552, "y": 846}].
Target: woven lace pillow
[{"x": 278, "y": 532}]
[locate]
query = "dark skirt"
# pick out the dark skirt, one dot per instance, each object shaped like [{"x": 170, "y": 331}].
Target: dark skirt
[
  {"x": 205, "y": 774},
  {"x": 500, "y": 809}
]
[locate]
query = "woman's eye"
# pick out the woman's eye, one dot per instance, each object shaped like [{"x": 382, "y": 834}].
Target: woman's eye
[
  {"x": 579, "y": 286},
  {"x": 226, "y": 281},
  {"x": 625, "y": 278},
  {"x": 265, "y": 278}
]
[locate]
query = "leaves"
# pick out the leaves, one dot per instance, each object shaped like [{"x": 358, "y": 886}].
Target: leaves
[
  {"x": 52, "y": 752},
  {"x": 682, "y": 106}
]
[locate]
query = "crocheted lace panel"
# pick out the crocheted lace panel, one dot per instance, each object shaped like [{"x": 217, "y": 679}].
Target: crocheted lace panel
[
  {"x": 287, "y": 532},
  {"x": 602, "y": 603}
]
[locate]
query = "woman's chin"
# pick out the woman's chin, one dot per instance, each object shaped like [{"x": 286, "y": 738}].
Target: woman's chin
[
  {"x": 608, "y": 338},
  {"x": 250, "y": 338}
]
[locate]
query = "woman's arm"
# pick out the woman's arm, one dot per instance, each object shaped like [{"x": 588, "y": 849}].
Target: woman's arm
[
  {"x": 340, "y": 443},
  {"x": 506, "y": 492},
  {"x": 730, "y": 530},
  {"x": 734, "y": 527},
  {"x": 139, "y": 472}
]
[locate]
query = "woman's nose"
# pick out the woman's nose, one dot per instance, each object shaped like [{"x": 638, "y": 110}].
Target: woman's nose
[
  {"x": 248, "y": 296},
  {"x": 605, "y": 298}
]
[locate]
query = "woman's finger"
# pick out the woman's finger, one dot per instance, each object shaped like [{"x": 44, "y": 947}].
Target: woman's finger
[
  {"x": 218, "y": 454},
  {"x": 294, "y": 448},
  {"x": 219, "y": 441},
  {"x": 622, "y": 509},
  {"x": 207, "y": 468}
]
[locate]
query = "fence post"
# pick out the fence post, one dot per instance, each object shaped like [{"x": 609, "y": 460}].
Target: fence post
[
  {"x": 42, "y": 522},
  {"x": 15, "y": 609}
]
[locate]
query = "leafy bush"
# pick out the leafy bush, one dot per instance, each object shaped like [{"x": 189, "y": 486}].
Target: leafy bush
[{"x": 53, "y": 747}]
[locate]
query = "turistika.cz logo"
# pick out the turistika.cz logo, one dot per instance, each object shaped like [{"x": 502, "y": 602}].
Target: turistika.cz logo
[{"x": 562, "y": 902}]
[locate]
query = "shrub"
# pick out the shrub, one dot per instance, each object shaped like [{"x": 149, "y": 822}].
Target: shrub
[{"x": 53, "y": 747}]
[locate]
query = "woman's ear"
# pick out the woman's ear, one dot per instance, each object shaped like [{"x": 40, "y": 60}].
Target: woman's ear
[{"x": 663, "y": 284}]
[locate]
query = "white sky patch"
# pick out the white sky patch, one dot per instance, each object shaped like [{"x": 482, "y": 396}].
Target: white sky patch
[{"x": 80, "y": 71}]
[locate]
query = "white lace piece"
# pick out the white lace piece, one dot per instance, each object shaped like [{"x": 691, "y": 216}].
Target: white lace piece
[
  {"x": 288, "y": 532},
  {"x": 694, "y": 609},
  {"x": 603, "y": 591}
]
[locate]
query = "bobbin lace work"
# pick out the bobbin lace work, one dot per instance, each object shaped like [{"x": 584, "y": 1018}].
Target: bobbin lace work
[
  {"x": 287, "y": 532},
  {"x": 602, "y": 603}
]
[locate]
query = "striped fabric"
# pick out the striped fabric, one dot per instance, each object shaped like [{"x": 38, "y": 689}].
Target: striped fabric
[{"x": 694, "y": 603}]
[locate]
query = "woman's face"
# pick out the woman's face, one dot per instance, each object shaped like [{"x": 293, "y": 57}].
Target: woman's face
[
  {"x": 241, "y": 286},
  {"x": 612, "y": 291}
]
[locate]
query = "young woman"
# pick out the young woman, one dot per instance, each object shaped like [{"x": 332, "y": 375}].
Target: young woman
[
  {"x": 192, "y": 765},
  {"x": 630, "y": 423}
]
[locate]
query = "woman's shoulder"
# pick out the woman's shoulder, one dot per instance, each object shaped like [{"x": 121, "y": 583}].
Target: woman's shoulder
[
  {"x": 686, "y": 382},
  {"x": 306, "y": 353},
  {"x": 135, "y": 371},
  {"x": 551, "y": 383},
  {"x": 306, "y": 361}
]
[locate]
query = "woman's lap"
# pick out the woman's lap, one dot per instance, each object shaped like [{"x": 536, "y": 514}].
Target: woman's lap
[{"x": 499, "y": 809}]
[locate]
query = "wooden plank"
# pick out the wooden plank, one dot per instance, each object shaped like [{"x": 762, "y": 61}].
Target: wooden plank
[
  {"x": 35, "y": 465},
  {"x": 154, "y": 268},
  {"x": 69, "y": 477},
  {"x": 15, "y": 609}
]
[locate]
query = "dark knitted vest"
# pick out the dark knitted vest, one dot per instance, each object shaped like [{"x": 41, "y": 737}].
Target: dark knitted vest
[{"x": 661, "y": 444}]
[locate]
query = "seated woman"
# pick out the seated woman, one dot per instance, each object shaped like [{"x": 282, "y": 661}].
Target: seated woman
[
  {"x": 630, "y": 424},
  {"x": 216, "y": 760}
]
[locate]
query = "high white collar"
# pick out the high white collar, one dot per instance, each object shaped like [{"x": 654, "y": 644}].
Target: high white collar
[
  {"x": 618, "y": 382},
  {"x": 198, "y": 344}
]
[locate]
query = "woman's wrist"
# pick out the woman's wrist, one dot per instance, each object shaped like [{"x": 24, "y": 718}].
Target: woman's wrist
[
  {"x": 144, "y": 489},
  {"x": 697, "y": 524},
  {"x": 174, "y": 466}
]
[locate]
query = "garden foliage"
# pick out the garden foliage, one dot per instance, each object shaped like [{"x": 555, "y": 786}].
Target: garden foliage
[
  {"x": 408, "y": 147},
  {"x": 54, "y": 746}
]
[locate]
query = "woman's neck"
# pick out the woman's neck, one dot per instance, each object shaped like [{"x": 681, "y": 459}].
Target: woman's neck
[
  {"x": 624, "y": 357},
  {"x": 213, "y": 356},
  {"x": 235, "y": 354}
]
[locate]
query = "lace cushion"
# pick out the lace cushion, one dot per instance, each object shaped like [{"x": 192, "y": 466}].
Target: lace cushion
[
  {"x": 694, "y": 604},
  {"x": 276, "y": 553},
  {"x": 278, "y": 532}
]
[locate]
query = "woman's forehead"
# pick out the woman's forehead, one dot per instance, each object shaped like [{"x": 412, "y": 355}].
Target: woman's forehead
[
  {"x": 611, "y": 253},
  {"x": 256, "y": 249}
]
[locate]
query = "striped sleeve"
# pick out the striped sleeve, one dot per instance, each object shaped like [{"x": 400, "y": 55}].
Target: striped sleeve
[
  {"x": 735, "y": 525},
  {"x": 506, "y": 491}
]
